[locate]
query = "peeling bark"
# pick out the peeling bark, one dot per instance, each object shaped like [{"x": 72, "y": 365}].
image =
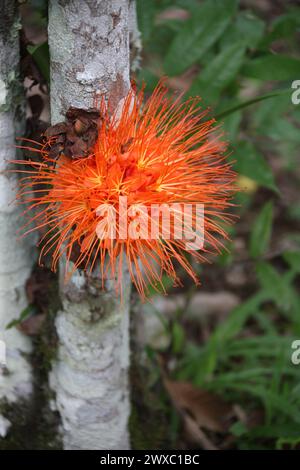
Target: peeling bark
[
  {"x": 89, "y": 50},
  {"x": 16, "y": 257}
]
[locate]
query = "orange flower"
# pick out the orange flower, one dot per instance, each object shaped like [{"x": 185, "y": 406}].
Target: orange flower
[{"x": 160, "y": 152}]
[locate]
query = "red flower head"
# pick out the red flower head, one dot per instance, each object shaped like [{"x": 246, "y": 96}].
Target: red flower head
[{"x": 109, "y": 206}]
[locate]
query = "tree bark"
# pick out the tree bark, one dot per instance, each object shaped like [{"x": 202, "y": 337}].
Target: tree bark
[
  {"x": 16, "y": 257},
  {"x": 89, "y": 50}
]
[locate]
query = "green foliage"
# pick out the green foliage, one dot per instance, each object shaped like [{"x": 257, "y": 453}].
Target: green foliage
[
  {"x": 273, "y": 67},
  {"x": 26, "y": 313},
  {"x": 284, "y": 26},
  {"x": 275, "y": 286},
  {"x": 248, "y": 161},
  {"x": 40, "y": 54},
  {"x": 166, "y": 284},
  {"x": 246, "y": 103},
  {"x": 254, "y": 369},
  {"x": 178, "y": 337},
  {"x": 293, "y": 259},
  {"x": 261, "y": 231},
  {"x": 242, "y": 63},
  {"x": 218, "y": 73},
  {"x": 146, "y": 16},
  {"x": 198, "y": 34},
  {"x": 226, "y": 46},
  {"x": 247, "y": 28}
]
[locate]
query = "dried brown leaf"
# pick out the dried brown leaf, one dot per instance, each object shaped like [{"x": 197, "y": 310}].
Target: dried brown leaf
[
  {"x": 76, "y": 137},
  {"x": 207, "y": 410}
]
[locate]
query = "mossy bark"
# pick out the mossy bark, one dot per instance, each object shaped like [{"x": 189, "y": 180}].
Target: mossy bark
[{"x": 16, "y": 257}]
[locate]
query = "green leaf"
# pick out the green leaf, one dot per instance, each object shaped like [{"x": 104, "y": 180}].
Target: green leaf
[
  {"x": 40, "y": 54},
  {"x": 261, "y": 231},
  {"x": 268, "y": 112},
  {"x": 247, "y": 28},
  {"x": 198, "y": 34},
  {"x": 238, "y": 429},
  {"x": 146, "y": 77},
  {"x": 272, "y": 67},
  {"x": 146, "y": 14},
  {"x": 257, "y": 374},
  {"x": 158, "y": 46},
  {"x": 178, "y": 338},
  {"x": 282, "y": 430},
  {"x": 283, "y": 130},
  {"x": 274, "y": 285},
  {"x": 202, "y": 362},
  {"x": 268, "y": 277},
  {"x": 249, "y": 162},
  {"x": 186, "y": 4},
  {"x": 283, "y": 26},
  {"x": 27, "y": 312},
  {"x": 236, "y": 320},
  {"x": 40, "y": 11},
  {"x": 292, "y": 442},
  {"x": 267, "y": 346},
  {"x": 174, "y": 25},
  {"x": 267, "y": 396},
  {"x": 293, "y": 259},
  {"x": 247, "y": 103},
  {"x": 219, "y": 73},
  {"x": 166, "y": 283},
  {"x": 231, "y": 125}
]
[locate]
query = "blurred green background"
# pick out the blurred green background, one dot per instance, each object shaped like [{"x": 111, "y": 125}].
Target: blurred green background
[
  {"x": 231, "y": 340},
  {"x": 212, "y": 366}
]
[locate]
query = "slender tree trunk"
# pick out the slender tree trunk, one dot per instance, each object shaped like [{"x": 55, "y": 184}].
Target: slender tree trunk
[
  {"x": 16, "y": 257},
  {"x": 89, "y": 50}
]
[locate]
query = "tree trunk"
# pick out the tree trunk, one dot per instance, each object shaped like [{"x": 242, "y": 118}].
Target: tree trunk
[
  {"x": 16, "y": 257},
  {"x": 89, "y": 50}
]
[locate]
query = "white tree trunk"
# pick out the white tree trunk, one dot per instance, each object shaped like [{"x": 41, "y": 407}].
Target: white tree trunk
[
  {"x": 16, "y": 257},
  {"x": 89, "y": 50}
]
